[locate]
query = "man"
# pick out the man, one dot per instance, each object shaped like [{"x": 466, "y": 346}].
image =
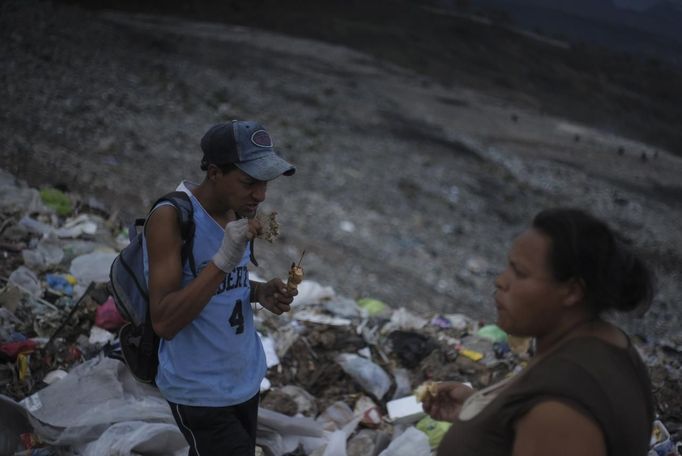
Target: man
[{"x": 211, "y": 361}]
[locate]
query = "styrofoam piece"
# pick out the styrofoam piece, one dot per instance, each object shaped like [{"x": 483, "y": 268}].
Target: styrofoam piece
[{"x": 405, "y": 410}]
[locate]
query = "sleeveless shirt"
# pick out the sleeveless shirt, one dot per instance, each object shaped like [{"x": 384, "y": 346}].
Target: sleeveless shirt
[
  {"x": 217, "y": 359},
  {"x": 607, "y": 383}
]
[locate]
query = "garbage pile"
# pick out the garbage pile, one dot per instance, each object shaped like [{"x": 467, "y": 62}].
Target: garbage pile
[{"x": 341, "y": 372}]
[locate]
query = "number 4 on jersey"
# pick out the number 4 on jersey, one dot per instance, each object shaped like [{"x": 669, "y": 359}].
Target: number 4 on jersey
[{"x": 237, "y": 317}]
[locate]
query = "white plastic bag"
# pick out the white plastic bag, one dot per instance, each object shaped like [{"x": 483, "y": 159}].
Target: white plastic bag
[
  {"x": 92, "y": 267},
  {"x": 47, "y": 254},
  {"x": 412, "y": 442},
  {"x": 371, "y": 377},
  {"x": 310, "y": 292},
  {"x": 26, "y": 280},
  {"x": 131, "y": 438}
]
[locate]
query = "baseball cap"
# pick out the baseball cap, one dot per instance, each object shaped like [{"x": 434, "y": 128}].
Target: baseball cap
[{"x": 248, "y": 146}]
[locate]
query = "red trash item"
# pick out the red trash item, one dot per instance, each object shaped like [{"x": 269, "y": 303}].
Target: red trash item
[
  {"x": 29, "y": 440},
  {"x": 12, "y": 349},
  {"x": 371, "y": 417},
  {"x": 73, "y": 354},
  {"x": 108, "y": 317}
]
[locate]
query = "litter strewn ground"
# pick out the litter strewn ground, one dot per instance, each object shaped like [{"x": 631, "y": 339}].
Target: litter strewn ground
[{"x": 341, "y": 377}]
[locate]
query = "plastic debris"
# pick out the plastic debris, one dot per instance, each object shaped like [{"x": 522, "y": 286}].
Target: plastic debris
[
  {"x": 412, "y": 442},
  {"x": 59, "y": 283},
  {"x": 471, "y": 354},
  {"x": 27, "y": 280},
  {"x": 108, "y": 317},
  {"x": 92, "y": 267},
  {"x": 77, "y": 227},
  {"x": 54, "y": 376},
  {"x": 313, "y": 317},
  {"x": 661, "y": 444},
  {"x": 368, "y": 374},
  {"x": 371, "y": 306},
  {"x": 492, "y": 333},
  {"x": 58, "y": 337},
  {"x": 411, "y": 347},
  {"x": 459, "y": 321},
  {"x": 57, "y": 200},
  {"x": 369, "y": 411},
  {"x": 405, "y": 410},
  {"x": 434, "y": 430}
]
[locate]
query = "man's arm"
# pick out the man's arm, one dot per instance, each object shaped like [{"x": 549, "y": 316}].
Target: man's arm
[
  {"x": 555, "y": 428},
  {"x": 171, "y": 306}
]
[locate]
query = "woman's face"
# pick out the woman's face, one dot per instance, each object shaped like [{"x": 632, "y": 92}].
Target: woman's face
[{"x": 528, "y": 299}]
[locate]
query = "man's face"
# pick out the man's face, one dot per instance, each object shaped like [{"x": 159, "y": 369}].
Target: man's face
[{"x": 241, "y": 192}]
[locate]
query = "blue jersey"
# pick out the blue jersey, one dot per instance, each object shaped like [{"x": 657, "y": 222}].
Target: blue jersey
[{"x": 218, "y": 359}]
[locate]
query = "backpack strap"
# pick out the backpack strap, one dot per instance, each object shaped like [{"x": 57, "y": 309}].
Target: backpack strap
[
  {"x": 132, "y": 229},
  {"x": 185, "y": 215}
]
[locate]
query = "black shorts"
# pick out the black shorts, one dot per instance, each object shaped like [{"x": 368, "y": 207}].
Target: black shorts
[{"x": 219, "y": 431}]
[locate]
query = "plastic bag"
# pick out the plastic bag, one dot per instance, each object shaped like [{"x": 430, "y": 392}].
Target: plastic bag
[
  {"x": 131, "y": 438},
  {"x": 336, "y": 416},
  {"x": 46, "y": 255},
  {"x": 493, "y": 333},
  {"x": 310, "y": 292},
  {"x": 412, "y": 442},
  {"x": 371, "y": 377},
  {"x": 92, "y": 267},
  {"x": 108, "y": 317},
  {"x": 26, "y": 279},
  {"x": 434, "y": 430},
  {"x": 403, "y": 386}
]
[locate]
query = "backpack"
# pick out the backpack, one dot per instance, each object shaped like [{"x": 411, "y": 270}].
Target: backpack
[{"x": 139, "y": 343}]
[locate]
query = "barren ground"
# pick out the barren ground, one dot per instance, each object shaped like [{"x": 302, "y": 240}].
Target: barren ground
[{"x": 407, "y": 190}]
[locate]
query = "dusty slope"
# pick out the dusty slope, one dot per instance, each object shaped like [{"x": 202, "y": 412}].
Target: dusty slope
[{"x": 406, "y": 191}]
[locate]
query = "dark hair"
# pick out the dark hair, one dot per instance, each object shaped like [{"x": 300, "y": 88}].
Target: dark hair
[
  {"x": 224, "y": 168},
  {"x": 586, "y": 248}
]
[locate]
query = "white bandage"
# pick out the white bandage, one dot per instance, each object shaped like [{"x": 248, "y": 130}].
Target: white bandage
[{"x": 234, "y": 242}]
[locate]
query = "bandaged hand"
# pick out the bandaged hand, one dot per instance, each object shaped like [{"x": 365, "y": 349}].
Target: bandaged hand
[{"x": 237, "y": 234}]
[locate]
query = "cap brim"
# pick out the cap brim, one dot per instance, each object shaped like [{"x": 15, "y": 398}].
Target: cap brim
[{"x": 267, "y": 168}]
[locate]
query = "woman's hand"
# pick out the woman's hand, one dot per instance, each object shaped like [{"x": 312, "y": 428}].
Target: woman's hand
[
  {"x": 274, "y": 296},
  {"x": 447, "y": 402}
]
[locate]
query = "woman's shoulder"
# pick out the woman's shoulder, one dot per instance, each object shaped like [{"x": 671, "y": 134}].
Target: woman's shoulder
[
  {"x": 601, "y": 338},
  {"x": 594, "y": 350},
  {"x": 590, "y": 364},
  {"x": 603, "y": 348},
  {"x": 607, "y": 333}
]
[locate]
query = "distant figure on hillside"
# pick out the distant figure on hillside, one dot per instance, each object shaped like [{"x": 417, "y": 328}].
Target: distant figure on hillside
[
  {"x": 211, "y": 361},
  {"x": 586, "y": 391}
]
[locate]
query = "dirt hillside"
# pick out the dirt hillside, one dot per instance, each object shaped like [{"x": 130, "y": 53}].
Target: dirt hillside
[{"x": 407, "y": 190}]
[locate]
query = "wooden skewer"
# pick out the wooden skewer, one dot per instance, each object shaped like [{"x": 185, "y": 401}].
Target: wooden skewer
[{"x": 295, "y": 274}]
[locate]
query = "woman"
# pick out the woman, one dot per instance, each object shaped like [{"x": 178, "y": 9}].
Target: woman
[{"x": 586, "y": 391}]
